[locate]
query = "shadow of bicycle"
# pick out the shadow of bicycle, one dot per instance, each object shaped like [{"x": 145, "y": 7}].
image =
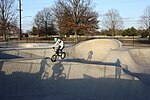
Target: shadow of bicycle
[
  {"x": 58, "y": 69},
  {"x": 54, "y": 72}
]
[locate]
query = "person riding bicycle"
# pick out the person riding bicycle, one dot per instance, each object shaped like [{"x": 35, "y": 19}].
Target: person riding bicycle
[{"x": 59, "y": 45}]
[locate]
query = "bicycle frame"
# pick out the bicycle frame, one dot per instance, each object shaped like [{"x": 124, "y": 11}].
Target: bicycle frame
[{"x": 59, "y": 51}]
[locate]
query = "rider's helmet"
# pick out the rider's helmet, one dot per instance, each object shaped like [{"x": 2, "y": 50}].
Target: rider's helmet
[{"x": 55, "y": 39}]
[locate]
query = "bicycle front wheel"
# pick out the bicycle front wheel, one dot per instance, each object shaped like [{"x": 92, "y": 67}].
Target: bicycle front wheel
[{"x": 53, "y": 58}]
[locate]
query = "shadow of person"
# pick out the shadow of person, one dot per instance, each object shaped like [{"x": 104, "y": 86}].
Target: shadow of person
[
  {"x": 2, "y": 73},
  {"x": 90, "y": 54},
  {"x": 1, "y": 65},
  {"x": 43, "y": 64},
  {"x": 58, "y": 71},
  {"x": 118, "y": 63},
  {"x": 118, "y": 69}
]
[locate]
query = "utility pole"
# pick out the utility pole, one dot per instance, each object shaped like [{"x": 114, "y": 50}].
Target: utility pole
[
  {"x": 20, "y": 10},
  {"x": 3, "y": 22}
]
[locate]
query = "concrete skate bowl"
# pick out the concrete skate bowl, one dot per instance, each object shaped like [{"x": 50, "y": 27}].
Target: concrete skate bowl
[
  {"x": 23, "y": 45},
  {"x": 25, "y": 51},
  {"x": 22, "y": 80},
  {"x": 95, "y": 50},
  {"x": 141, "y": 56}
]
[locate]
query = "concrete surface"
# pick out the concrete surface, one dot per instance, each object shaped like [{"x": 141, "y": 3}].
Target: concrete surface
[{"x": 93, "y": 70}]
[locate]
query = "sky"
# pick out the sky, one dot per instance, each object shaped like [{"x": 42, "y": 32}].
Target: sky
[{"x": 130, "y": 10}]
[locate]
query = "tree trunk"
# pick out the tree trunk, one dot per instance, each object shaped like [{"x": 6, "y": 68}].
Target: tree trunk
[
  {"x": 149, "y": 36},
  {"x": 149, "y": 30},
  {"x": 4, "y": 35},
  {"x": 76, "y": 37},
  {"x": 38, "y": 31},
  {"x": 46, "y": 29}
]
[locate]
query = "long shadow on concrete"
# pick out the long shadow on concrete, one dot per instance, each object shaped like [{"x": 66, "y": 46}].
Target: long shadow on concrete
[
  {"x": 30, "y": 86},
  {"x": 27, "y": 86},
  {"x": 9, "y": 56},
  {"x": 15, "y": 54},
  {"x": 145, "y": 78},
  {"x": 117, "y": 63}
]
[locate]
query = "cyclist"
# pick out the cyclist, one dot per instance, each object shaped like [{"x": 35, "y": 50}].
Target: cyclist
[{"x": 59, "y": 44}]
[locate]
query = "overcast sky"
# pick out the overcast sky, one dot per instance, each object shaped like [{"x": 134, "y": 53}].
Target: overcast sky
[{"x": 130, "y": 10}]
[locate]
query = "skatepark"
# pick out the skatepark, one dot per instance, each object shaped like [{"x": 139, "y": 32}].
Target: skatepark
[{"x": 98, "y": 69}]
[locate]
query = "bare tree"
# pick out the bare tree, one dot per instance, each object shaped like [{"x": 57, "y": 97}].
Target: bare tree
[
  {"x": 112, "y": 21},
  {"x": 7, "y": 15},
  {"x": 145, "y": 19},
  {"x": 44, "y": 20},
  {"x": 76, "y": 16}
]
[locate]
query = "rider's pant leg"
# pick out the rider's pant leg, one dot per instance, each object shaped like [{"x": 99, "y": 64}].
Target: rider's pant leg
[{"x": 57, "y": 51}]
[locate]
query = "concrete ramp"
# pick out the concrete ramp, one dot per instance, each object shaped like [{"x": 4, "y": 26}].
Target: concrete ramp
[
  {"x": 111, "y": 51},
  {"x": 141, "y": 56},
  {"x": 95, "y": 50},
  {"x": 99, "y": 69}
]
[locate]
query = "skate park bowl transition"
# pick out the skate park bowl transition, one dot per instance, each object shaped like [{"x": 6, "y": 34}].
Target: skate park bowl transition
[{"x": 98, "y": 69}]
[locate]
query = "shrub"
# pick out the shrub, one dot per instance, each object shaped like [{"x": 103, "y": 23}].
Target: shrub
[
  {"x": 144, "y": 34},
  {"x": 108, "y": 34},
  {"x": 124, "y": 34}
]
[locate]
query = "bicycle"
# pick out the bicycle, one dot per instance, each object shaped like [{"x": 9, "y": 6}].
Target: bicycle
[{"x": 60, "y": 54}]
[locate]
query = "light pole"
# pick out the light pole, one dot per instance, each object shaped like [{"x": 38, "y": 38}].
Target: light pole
[
  {"x": 20, "y": 10},
  {"x": 20, "y": 19}
]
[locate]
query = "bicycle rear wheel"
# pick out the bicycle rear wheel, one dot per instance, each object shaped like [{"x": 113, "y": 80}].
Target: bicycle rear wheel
[
  {"x": 53, "y": 58},
  {"x": 63, "y": 55}
]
